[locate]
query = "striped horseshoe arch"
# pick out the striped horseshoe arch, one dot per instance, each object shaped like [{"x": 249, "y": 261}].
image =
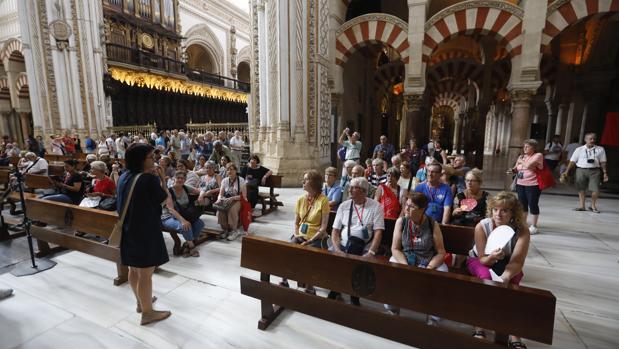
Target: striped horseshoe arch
[
  {"x": 10, "y": 46},
  {"x": 563, "y": 13},
  {"x": 368, "y": 29},
  {"x": 500, "y": 18}
]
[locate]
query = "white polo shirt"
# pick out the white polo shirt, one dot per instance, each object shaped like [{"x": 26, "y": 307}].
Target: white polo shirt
[
  {"x": 583, "y": 154},
  {"x": 41, "y": 164},
  {"x": 371, "y": 214}
]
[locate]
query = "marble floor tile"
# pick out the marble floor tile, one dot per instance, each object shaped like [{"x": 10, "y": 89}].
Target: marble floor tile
[
  {"x": 81, "y": 333},
  {"x": 23, "y": 317}
]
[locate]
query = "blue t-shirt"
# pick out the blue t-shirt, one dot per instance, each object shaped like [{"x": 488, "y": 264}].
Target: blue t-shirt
[
  {"x": 334, "y": 193},
  {"x": 438, "y": 198},
  {"x": 160, "y": 142}
]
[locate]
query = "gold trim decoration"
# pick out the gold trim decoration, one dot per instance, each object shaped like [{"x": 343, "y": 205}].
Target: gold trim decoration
[{"x": 152, "y": 81}]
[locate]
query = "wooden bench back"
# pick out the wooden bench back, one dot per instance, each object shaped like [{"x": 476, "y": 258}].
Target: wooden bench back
[
  {"x": 521, "y": 311},
  {"x": 87, "y": 220},
  {"x": 34, "y": 181},
  {"x": 273, "y": 181},
  {"x": 55, "y": 169},
  {"x": 4, "y": 176}
]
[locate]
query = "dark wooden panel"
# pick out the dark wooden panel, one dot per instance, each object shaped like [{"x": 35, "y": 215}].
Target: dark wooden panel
[
  {"x": 34, "y": 181},
  {"x": 4, "y": 176},
  {"x": 452, "y": 296},
  {"x": 396, "y": 328},
  {"x": 72, "y": 242},
  {"x": 458, "y": 239},
  {"x": 273, "y": 181},
  {"x": 82, "y": 219}
]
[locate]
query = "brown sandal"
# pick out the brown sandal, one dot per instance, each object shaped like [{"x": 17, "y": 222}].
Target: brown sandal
[{"x": 138, "y": 308}]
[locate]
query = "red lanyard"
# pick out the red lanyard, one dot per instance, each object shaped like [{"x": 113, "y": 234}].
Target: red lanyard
[
  {"x": 357, "y": 211},
  {"x": 431, "y": 193}
]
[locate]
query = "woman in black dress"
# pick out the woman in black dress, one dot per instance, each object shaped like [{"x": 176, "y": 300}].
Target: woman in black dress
[{"x": 142, "y": 247}]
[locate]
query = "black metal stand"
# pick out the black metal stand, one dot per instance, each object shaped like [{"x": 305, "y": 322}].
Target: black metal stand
[{"x": 22, "y": 268}]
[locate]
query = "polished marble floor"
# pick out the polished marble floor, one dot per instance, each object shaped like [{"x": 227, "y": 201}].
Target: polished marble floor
[{"x": 75, "y": 305}]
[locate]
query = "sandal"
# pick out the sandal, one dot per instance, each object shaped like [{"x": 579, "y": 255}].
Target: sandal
[
  {"x": 579, "y": 209},
  {"x": 479, "y": 334},
  {"x": 138, "y": 308},
  {"x": 594, "y": 210},
  {"x": 311, "y": 291},
  {"x": 194, "y": 252},
  {"x": 516, "y": 345},
  {"x": 284, "y": 283}
]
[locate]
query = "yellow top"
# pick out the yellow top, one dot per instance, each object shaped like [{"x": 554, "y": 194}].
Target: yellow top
[{"x": 313, "y": 218}]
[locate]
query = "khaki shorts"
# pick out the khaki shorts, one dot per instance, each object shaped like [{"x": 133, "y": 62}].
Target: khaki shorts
[{"x": 588, "y": 179}]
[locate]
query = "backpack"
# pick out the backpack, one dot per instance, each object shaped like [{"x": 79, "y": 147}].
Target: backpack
[{"x": 341, "y": 153}]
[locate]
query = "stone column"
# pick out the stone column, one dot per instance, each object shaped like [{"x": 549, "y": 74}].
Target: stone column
[
  {"x": 563, "y": 109},
  {"x": 457, "y": 126},
  {"x": 521, "y": 119},
  {"x": 25, "y": 126},
  {"x": 262, "y": 58},
  {"x": 415, "y": 75},
  {"x": 416, "y": 127},
  {"x": 583, "y": 123},
  {"x": 569, "y": 123},
  {"x": 549, "y": 111}
]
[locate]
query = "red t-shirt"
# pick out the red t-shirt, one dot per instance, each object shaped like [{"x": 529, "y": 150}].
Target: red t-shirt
[
  {"x": 69, "y": 144},
  {"x": 105, "y": 186}
]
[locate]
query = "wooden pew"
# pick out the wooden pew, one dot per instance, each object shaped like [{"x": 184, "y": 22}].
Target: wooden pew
[
  {"x": 270, "y": 198},
  {"x": 521, "y": 311},
  {"x": 5, "y": 234},
  {"x": 74, "y": 218}
]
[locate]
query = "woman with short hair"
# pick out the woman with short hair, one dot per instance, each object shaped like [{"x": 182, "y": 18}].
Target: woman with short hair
[
  {"x": 102, "y": 185},
  {"x": 210, "y": 185},
  {"x": 255, "y": 175},
  {"x": 526, "y": 168},
  {"x": 181, "y": 214},
  {"x": 192, "y": 179},
  {"x": 331, "y": 188},
  {"x": 390, "y": 195},
  {"x": 142, "y": 247},
  {"x": 232, "y": 189},
  {"x": 504, "y": 209}
]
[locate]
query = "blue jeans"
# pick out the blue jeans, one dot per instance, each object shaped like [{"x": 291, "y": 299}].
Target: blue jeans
[
  {"x": 189, "y": 235},
  {"x": 59, "y": 198}
]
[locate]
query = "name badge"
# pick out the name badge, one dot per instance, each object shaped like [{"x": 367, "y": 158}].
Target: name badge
[
  {"x": 303, "y": 228},
  {"x": 365, "y": 233}
]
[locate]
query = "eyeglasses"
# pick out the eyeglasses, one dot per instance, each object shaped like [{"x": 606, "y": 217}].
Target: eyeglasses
[
  {"x": 411, "y": 207},
  {"x": 471, "y": 180}
]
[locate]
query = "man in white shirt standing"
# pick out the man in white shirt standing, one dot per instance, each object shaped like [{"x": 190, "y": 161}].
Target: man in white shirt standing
[
  {"x": 590, "y": 162},
  {"x": 121, "y": 142}
]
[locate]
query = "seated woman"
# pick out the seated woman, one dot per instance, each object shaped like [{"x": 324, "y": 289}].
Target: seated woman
[
  {"x": 223, "y": 163},
  {"x": 102, "y": 186},
  {"x": 311, "y": 217},
  {"x": 332, "y": 189},
  {"x": 232, "y": 188},
  {"x": 193, "y": 180},
  {"x": 417, "y": 240},
  {"x": 390, "y": 196},
  {"x": 166, "y": 164},
  {"x": 181, "y": 214},
  {"x": 470, "y": 205},
  {"x": 210, "y": 184},
  {"x": 255, "y": 175},
  {"x": 407, "y": 181},
  {"x": 199, "y": 168},
  {"x": 506, "y": 262},
  {"x": 70, "y": 186}
]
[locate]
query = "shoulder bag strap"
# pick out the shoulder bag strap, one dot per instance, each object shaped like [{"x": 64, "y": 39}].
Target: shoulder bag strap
[
  {"x": 128, "y": 200},
  {"x": 350, "y": 217}
]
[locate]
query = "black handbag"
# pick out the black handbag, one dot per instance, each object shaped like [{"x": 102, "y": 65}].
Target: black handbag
[
  {"x": 191, "y": 212},
  {"x": 107, "y": 204}
]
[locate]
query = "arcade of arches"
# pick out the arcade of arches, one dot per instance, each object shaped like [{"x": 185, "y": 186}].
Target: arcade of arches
[{"x": 481, "y": 76}]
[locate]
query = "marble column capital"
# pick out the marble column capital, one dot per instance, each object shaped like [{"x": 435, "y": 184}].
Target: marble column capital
[
  {"x": 519, "y": 96},
  {"x": 413, "y": 102}
]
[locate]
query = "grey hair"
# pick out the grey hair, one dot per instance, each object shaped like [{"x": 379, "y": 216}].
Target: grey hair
[
  {"x": 350, "y": 163},
  {"x": 91, "y": 157},
  {"x": 360, "y": 182},
  {"x": 210, "y": 164},
  {"x": 378, "y": 162},
  {"x": 99, "y": 165},
  {"x": 30, "y": 155}
]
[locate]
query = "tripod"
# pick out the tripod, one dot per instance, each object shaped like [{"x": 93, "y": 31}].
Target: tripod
[{"x": 22, "y": 268}]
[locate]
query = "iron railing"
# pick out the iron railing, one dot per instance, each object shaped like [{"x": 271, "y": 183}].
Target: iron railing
[{"x": 128, "y": 55}]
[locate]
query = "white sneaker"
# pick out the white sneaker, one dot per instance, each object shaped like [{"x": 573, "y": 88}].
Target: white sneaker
[
  {"x": 233, "y": 235},
  {"x": 533, "y": 230},
  {"x": 224, "y": 235}
]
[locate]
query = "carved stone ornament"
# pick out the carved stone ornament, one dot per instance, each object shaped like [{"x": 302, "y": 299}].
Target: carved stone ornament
[
  {"x": 147, "y": 41},
  {"x": 521, "y": 95},
  {"x": 414, "y": 102},
  {"x": 60, "y": 30}
]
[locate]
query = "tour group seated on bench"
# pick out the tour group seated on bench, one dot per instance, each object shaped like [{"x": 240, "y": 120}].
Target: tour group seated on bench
[{"x": 518, "y": 310}]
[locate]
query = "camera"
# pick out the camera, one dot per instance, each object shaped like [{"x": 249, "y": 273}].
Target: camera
[
  {"x": 590, "y": 161},
  {"x": 520, "y": 175}
]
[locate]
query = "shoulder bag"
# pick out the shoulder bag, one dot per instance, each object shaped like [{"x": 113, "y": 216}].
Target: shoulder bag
[{"x": 117, "y": 232}]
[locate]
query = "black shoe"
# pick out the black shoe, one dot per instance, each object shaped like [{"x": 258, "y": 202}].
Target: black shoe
[
  {"x": 333, "y": 295},
  {"x": 355, "y": 301}
]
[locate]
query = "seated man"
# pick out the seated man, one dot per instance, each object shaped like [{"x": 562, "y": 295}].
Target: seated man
[
  {"x": 357, "y": 171},
  {"x": 438, "y": 193},
  {"x": 358, "y": 225},
  {"x": 378, "y": 176}
]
